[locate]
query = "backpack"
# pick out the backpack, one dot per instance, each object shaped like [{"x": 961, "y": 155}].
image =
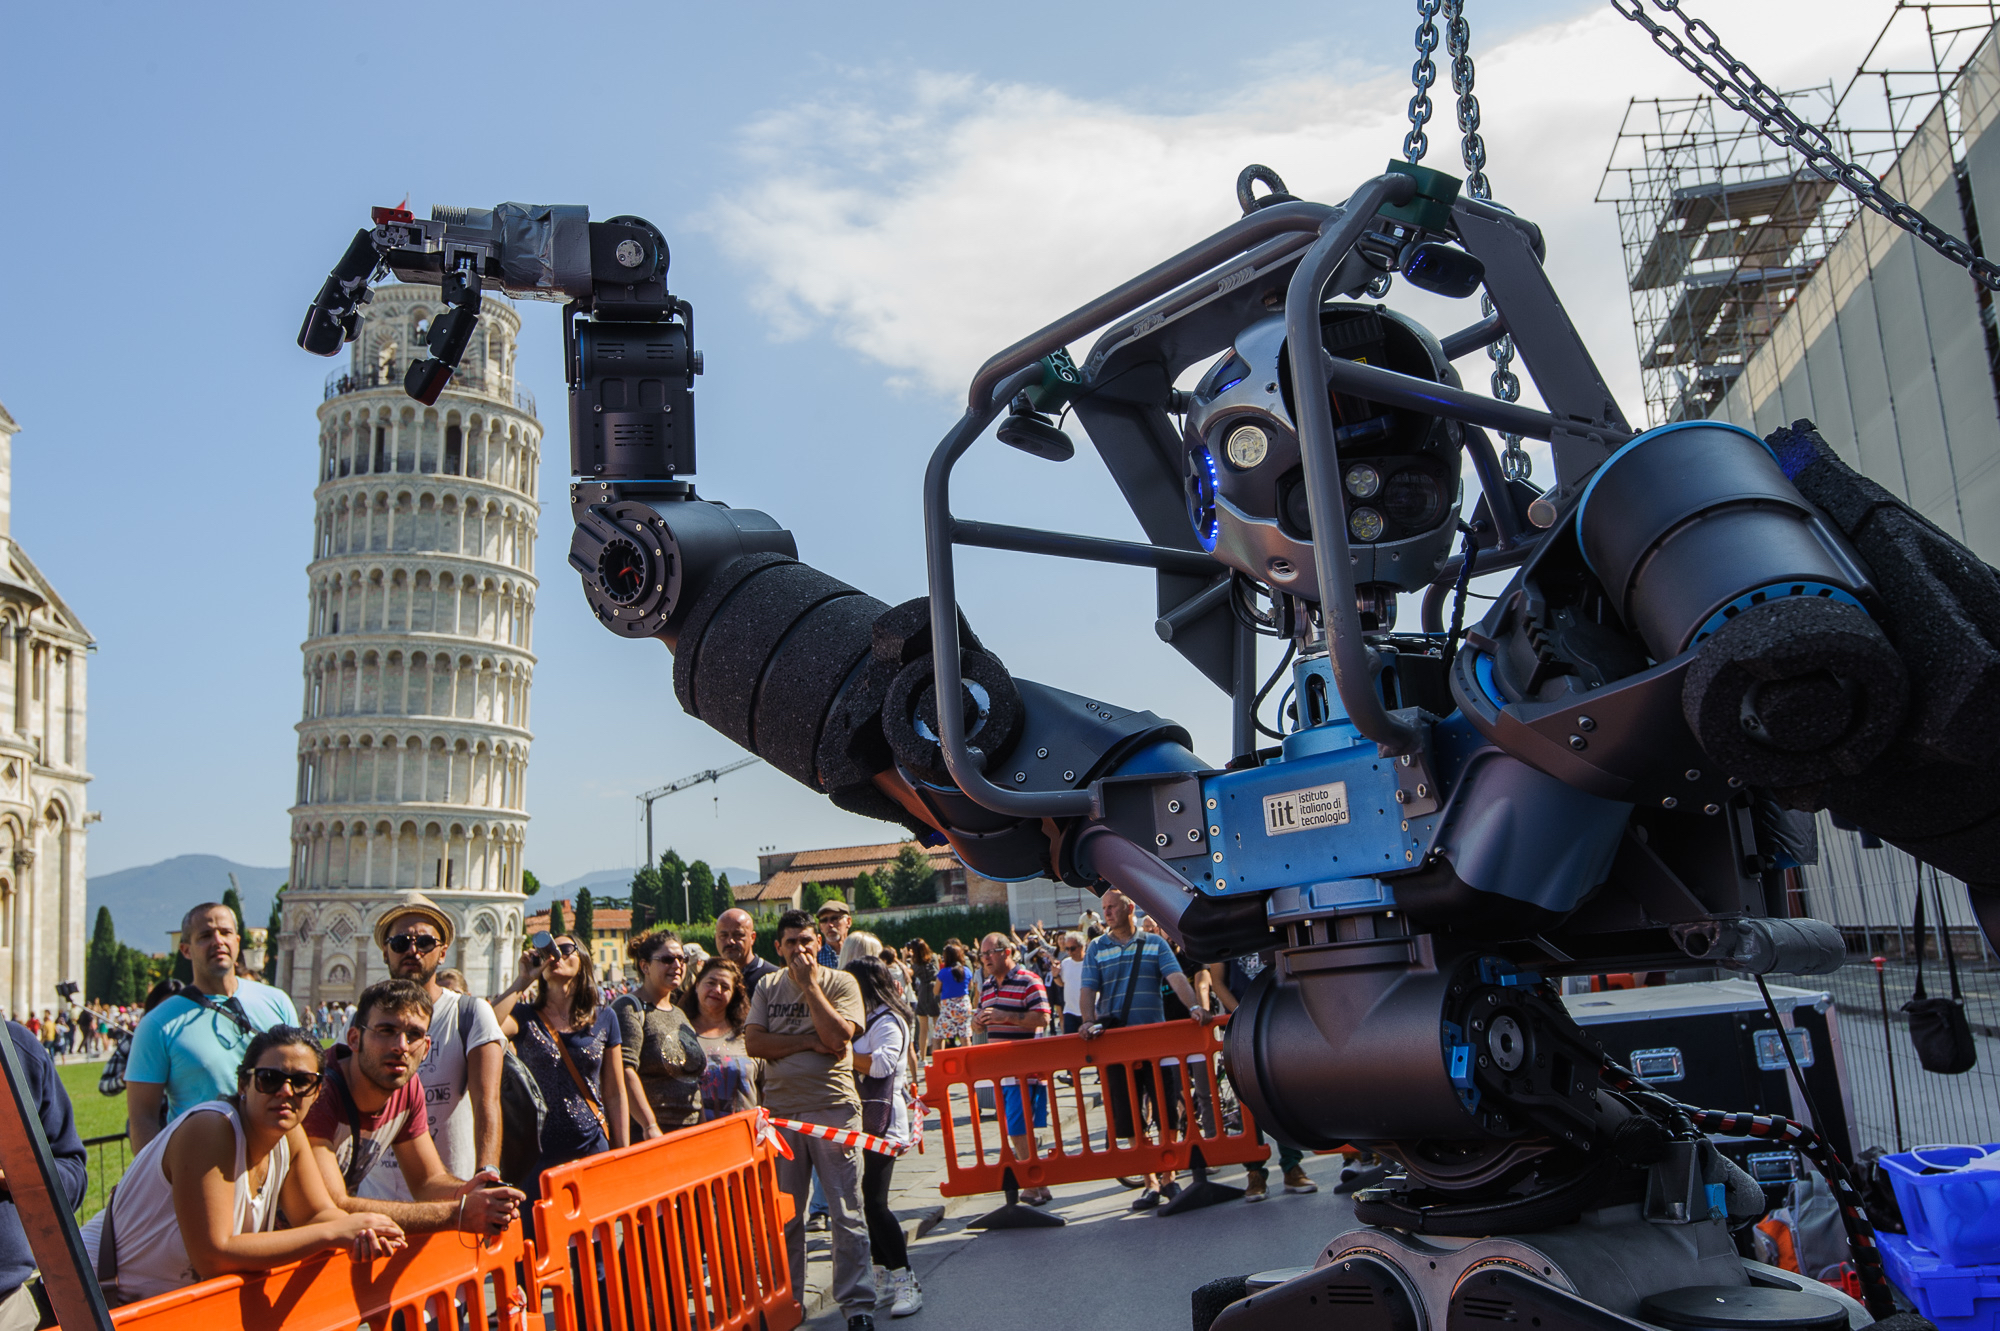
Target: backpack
[
  {"x": 522, "y": 1113},
  {"x": 112, "y": 1080}
]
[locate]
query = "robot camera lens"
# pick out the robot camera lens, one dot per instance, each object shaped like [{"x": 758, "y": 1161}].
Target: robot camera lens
[
  {"x": 1363, "y": 481},
  {"x": 1248, "y": 445},
  {"x": 1366, "y": 524}
]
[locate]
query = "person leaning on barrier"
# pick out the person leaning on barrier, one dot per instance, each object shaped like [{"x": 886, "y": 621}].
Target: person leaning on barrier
[
  {"x": 1014, "y": 1005},
  {"x": 735, "y": 940},
  {"x": 462, "y": 1065},
  {"x": 1130, "y": 966},
  {"x": 202, "y": 1199},
  {"x": 17, "y": 1261},
  {"x": 569, "y": 1043},
  {"x": 187, "y": 1049},
  {"x": 370, "y": 1114},
  {"x": 802, "y": 1023},
  {"x": 662, "y": 1057}
]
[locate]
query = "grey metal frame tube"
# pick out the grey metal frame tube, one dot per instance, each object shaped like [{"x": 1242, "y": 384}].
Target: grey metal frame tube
[{"x": 1346, "y": 648}]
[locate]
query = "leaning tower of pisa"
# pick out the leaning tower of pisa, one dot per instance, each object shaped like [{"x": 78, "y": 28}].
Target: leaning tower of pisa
[{"x": 413, "y": 749}]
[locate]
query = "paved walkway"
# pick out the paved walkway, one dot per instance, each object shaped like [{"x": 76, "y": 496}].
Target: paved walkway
[{"x": 1107, "y": 1267}]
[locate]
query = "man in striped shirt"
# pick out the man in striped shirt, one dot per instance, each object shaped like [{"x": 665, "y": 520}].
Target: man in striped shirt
[{"x": 1014, "y": 1005}]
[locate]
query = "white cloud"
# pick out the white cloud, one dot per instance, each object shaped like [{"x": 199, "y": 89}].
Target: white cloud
[{"x": 931, "y": 225}]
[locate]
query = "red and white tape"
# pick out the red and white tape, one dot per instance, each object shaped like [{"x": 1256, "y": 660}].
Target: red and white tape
[{"x": 767, "y": 1131}]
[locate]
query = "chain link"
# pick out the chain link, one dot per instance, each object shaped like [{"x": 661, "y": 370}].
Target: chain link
[
  {"x": 1739, "y": 88},
  {"x": 1422, "y": 75},
  {"x": 1472, "y": 148}
]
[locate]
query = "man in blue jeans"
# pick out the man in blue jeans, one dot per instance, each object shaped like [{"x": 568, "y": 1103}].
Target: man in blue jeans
[
  {"x": 1231, "y": 980},
  {"x": 1014, "y": 1005}
]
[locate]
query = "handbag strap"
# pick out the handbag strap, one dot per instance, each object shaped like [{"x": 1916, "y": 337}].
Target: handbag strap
[
  {"x": 107, "y": 1244},
  {"x": 1917, "y": 931},
  {"x": 1944, "y": 936},
  {"x": 199, "y": 999},
  {"x": 576, "y": 1075}
]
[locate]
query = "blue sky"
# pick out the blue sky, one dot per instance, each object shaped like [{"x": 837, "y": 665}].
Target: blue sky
[{"x": 863, "y": 200}]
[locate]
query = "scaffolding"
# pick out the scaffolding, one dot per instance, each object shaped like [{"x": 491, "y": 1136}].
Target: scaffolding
[{"x": 1721, "y": 228}]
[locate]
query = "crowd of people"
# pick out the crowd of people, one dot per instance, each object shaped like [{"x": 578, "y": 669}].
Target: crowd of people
[{"x": 261, "y": 1136}]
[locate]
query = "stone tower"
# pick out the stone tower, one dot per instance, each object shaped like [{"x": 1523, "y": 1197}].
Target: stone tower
[
  {"x": 413, "y": 750},
  {"x": 43, "y": 649}
]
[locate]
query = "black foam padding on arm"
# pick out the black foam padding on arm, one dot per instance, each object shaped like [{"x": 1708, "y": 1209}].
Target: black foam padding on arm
[
  {"x": 746, "y": 630},
  {"x": 852, "y": 748},
  {"x": 804, "y": 677},
  {"x": 687, "y": 648},
  {"x": 904, "y": 633},
  {"x": 1795, "y": 691},
  {"x": 1941, "y": 602},
  {"x": 866, "y": 799}
]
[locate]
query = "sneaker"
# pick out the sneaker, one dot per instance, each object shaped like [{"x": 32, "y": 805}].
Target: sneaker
[
  {"x": 1296, "y": 1180},
  {"x": 1256, "y": 1187},
  {"x": 1147, "y": 1200},
  {"x": 909, "y": 1294},
  {"x": 1169, "y": 1190},
  {"x": 817, "y": 1223},
  {"x": 861, "y": 1322}
]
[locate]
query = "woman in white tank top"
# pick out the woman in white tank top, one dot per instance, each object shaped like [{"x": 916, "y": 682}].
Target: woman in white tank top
[{"x": 202, "y": 1199}]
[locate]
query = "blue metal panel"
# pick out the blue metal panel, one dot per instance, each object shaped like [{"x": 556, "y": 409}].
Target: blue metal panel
[{"x": 1324, "y": 823}]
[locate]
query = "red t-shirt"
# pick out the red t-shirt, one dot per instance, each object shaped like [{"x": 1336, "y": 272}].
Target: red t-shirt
[{"x": 402, "y": 1119}]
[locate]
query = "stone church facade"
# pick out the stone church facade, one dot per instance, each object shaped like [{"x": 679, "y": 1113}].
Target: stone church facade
[
  {"x": 43, "y": 651},
  {"x": 413, "y": 745}
]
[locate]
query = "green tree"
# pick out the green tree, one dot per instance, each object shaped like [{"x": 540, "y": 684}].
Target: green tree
[
  {"x": 235, "y": 904},
  {"x": 725, "y": 896},
  {"x": 811, "y": 897},
  {"x": 586, "y": 918},
  {"x": 868, "y": 894},
  {"x": 912, "y": 881},
  {"x": 701, "y": 891},
  {"x": 101, "y": 960},
  {"x": 276, "y": 924},
  {"x": 645, "y": 892},
  {"x": 557, "y": 926},
  {"x": 530, "y": 885},
  {"x": 673, "y": 886}
]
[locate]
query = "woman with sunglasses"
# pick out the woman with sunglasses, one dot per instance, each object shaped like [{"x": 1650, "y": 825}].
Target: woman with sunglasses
[
  {"x": 663, "y": 1058},
  {"x": 570, "y": 1046},
  {"x": 202, "y": 1199}
]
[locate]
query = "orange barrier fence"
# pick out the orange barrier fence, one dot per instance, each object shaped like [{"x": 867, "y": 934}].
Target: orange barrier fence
[
  {"x": 1089, "y": 1085},
  {"x": 682, "y": 1233},
  {"x": 333, "y": 1292}
]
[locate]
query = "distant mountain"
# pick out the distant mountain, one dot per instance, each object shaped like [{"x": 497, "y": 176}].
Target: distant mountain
[
  {"x": 614, "y": 882},
  {"x": 149, "y": 900}
]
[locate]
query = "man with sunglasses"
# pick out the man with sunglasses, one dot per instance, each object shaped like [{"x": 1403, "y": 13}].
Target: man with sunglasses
[
  {"x": 462, "y": 1065},
  {"x": 187, "y": 1049},
  {"x": 371, "y": 1113}
]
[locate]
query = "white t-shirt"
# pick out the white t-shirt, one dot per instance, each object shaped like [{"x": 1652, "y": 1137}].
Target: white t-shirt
[
  {"x": 1072, "y": 983},
  {"x": 445, "y": 1101}
]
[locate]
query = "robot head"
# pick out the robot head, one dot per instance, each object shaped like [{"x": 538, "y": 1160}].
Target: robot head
[{"x": 1245, "y": 486}]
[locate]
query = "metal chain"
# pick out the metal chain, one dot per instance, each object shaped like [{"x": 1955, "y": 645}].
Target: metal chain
[
  {"x": 1515, "y": 464},
  {"x": 1739, "y": 88},
  {"x": 1472, "y": 148},
  {"x": 1422, "y": 75}
]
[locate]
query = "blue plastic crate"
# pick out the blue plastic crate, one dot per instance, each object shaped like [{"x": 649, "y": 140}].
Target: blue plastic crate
[
  {"x": 1957, "y": 1298},
  {"x": 1955, "y": 1215}
]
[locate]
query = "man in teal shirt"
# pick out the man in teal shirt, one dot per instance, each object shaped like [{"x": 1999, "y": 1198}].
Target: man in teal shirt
[{"x": 188, "y": 1048}]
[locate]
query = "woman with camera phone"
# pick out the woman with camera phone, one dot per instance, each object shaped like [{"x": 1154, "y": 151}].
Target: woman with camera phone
[{"x": 570, "y": 1043}]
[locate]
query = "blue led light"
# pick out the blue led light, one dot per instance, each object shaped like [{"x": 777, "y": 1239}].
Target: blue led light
[
  {"x": 1201, "y": 486},
  {"x": 1226, "y": 385}
]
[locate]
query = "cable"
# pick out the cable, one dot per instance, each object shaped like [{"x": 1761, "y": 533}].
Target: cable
[
  {"x": 1257, "y": 705},
  {"x": 1875, "y": 1287}
]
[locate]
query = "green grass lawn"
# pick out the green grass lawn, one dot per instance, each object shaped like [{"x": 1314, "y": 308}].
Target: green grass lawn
[{"x": 96, "y": 1116}]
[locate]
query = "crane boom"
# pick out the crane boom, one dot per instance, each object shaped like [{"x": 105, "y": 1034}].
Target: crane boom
[{"x": 685, "y": 783}]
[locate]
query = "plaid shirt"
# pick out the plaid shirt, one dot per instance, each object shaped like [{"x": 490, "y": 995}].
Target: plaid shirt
[{"x": 1015, "y": 994}]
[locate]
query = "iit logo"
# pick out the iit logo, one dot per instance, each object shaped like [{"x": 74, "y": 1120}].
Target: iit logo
[{"x": 1281, "y": 815}]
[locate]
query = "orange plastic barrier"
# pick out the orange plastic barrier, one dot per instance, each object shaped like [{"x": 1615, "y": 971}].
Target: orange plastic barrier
[
  {"x": 682, "y": 1233},
  {"x": 966, "y": 1087},
  {"x": 333, "y": 1292}
]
